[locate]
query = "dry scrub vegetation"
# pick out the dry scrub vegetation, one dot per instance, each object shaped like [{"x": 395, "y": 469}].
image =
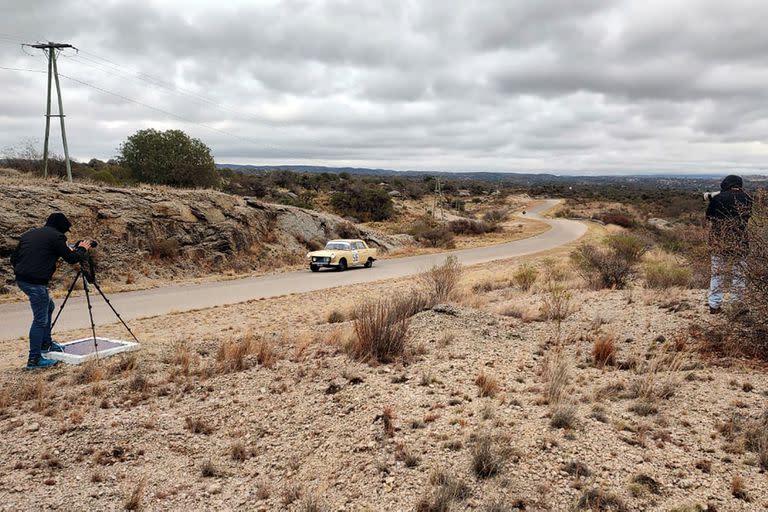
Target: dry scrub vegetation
[{"x": 504, "y": 387}]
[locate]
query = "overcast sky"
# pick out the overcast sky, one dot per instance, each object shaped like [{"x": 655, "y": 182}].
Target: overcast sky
[{"x": 569, "y": 86}]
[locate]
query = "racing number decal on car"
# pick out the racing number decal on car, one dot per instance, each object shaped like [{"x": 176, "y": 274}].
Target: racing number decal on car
[{"x": 355, "y": 256}]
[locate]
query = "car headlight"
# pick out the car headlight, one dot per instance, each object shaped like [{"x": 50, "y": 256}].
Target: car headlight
[{"x": 333, "y": 255}]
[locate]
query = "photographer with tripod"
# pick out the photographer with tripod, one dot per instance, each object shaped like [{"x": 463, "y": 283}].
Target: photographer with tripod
[{"x": 34, "y": 263}]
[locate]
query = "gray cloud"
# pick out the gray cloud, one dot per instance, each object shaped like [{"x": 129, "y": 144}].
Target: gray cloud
[{"x": 565, "y": 85}]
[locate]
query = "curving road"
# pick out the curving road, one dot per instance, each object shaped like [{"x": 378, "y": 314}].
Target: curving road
[{"x": 15, "y": 318}]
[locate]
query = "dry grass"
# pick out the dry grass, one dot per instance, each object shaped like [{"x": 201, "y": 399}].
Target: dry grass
[
  {"x": 659, "y": 378},
  {"x": 525, "y": 277},
  {"x": 487, "y": 385},
  {"x": 563, "y": 416},
  {"x": 599, "y": 499},
  {"x": 739, "y": 489},
  {"x": 487, "y": 458},
  {"x": 604, "y": 350},
  {"x": 388, "y": 417},
  {"x": 135, "y": 499},
  {"x": 232, "y": 354},
  {"x": 382, "y": 328},
  {"x": 88, "y": 373},
  {"x": 198, "y": 425},
  {"x": 557, "y": 375},
  {"x": 440, "y": 281},
  {"x": 666, "y": 272}
]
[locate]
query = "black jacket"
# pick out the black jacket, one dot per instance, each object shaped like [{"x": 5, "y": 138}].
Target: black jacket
[
  {"x": 729, "y": 212},
  {"x": 34, "y": 260}
]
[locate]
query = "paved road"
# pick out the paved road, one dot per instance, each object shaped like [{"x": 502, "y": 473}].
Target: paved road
[{"x": 15, "y": 318}]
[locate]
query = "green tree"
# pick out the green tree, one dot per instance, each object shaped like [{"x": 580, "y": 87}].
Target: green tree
[
  {"x": 168, "y": 157},
  {"x": 367, "y": 204}
]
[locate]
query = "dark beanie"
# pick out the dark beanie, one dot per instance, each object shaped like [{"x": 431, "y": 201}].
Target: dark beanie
[
  {"x": 59, "y": 222},
  {"x": 731, "y": 181}
]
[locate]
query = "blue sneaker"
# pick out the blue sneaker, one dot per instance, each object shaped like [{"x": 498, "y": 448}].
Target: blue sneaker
[
  {"x": 53, "y": 347},
  {"x": 41, "y": 362}
]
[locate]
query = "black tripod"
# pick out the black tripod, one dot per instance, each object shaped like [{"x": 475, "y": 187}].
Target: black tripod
[{"x": 90, "y": 277}]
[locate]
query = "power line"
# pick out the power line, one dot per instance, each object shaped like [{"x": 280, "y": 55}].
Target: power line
[
  {"x": 145, "y": 105},
  {"x": 163, "y": 111},
  {"x": 110, "y": 67}
]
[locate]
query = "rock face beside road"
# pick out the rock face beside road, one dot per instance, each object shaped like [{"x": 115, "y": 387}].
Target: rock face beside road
[{"x": 159, "y": 232}]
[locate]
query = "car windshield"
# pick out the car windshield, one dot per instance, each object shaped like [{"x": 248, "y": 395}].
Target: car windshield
[{"x": 337, "y": 246}]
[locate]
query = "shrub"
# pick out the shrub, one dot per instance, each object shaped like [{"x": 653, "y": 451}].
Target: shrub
[
  {"x": 470, "y": 227},
  {"x": 430, "y": 235},
  {"x": 382, "y": 328},
  {"x": 169, "y": 157},
  {"x": 611, "y": 265},
  {"x": 487, "y": 385},
  {"x": 487, "y": 459},
  {"x": 525, "y": 277},
  {"x": 563, "y": 416},
  {"x": 618, "y": 218},
  {"x": 367, "y": 204},
  {"x": 604, "y": 351},
  {"x": 440, "y": 281},
  {"x": 663, "y": 274},
  {"x": 495, "y": 216}
]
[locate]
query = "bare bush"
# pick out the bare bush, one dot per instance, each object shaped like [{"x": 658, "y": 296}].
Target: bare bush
[
  {"x": 440, "y": 281},
  {"x": 134, "y": 500},
  {"x": 611, "y": 265},
  {"x": 525, "y": 277}
]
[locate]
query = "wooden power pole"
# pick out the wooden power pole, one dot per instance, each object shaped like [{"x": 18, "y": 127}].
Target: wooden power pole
[{"x": 51, "y": 50}]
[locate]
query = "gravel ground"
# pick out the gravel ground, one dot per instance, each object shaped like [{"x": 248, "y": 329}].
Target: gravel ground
[{"x": 173, "y": 428}]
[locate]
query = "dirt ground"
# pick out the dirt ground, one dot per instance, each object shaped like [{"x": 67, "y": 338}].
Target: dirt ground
[{"x": 303, "y": 426}]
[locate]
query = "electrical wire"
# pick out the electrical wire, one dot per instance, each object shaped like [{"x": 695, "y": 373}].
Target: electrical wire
[
  {"x": 157, "y": 83},
  {"x": 166, "y": 112}
]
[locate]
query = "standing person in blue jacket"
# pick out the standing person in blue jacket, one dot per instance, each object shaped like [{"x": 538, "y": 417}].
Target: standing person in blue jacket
[
  {"x": 728, "y": 213},
  {"x": 34, "y": 262}
]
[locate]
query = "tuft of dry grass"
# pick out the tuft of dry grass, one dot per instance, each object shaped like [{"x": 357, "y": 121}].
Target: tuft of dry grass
[
  {"x": 232, "y": 354},
  {"x": 382, "y": 328},
  {"x": 335, "y": 317},
  {"x": 557, "y": 374},
  {"x": 135, "y": 499},
  {"x": 563, "y": 416},
  {"x": 487, "y": 385},
  {"x": 198, "y": 425},
  {"x": 487, "y": 458},
  {"x": 388, "y": 417},
  {"x": 604, "y": 351},
  {"x": 208, "y": 469},
  {"x": 599, "y": 499},
  {"x": 440, "y": 281},
  {"x": 88, "y": 373},
  {"x": 739, "y": 489},
  {"x": 659, "y": 378},
  {"x": 239, "y": 451}
]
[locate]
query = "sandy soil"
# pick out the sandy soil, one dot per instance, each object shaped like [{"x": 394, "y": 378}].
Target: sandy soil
[{"x": 175, "y": 430}]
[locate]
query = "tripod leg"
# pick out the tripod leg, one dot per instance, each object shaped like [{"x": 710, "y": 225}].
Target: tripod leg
[
  {"x": 69, "y": 292},
  {"x": 115, "y": 311},
  {"x": 90, "y": 314}
]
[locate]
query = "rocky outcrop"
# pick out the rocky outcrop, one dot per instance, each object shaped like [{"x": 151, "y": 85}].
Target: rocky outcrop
[{"x": 162, "y": 232}]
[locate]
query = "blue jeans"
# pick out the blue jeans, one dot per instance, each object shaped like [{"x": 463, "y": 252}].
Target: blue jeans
[
  {"x": 42, "y": 313},
  {"x": 720, "y": 266}
]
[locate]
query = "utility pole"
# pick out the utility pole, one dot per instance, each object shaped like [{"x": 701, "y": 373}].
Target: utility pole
[
  {"x": 51, "y": 50},
  {"x": 439, "y": 199}
]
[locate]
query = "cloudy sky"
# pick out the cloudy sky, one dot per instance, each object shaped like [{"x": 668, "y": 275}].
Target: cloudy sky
[{"x": 571, "y": 86}]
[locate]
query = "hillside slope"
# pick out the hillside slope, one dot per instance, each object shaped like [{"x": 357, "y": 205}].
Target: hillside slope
[{"x": 164, "y": 233}]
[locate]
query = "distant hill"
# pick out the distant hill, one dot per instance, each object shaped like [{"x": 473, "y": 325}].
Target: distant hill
[{"x": 650, "y": 180}]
